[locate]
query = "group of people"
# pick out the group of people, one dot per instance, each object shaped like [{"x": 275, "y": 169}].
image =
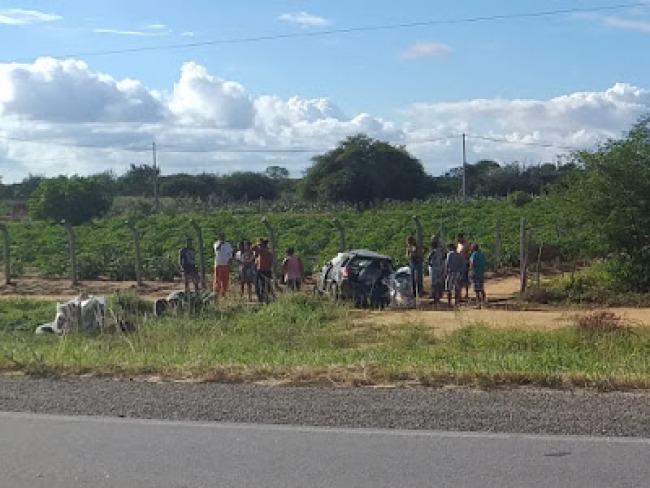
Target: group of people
[
  {"x": 254, "y": 265},
  {"x": 450, "y": 270}
]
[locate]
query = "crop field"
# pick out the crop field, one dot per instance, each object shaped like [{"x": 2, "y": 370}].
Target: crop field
[{"x": 105, "y": 247}]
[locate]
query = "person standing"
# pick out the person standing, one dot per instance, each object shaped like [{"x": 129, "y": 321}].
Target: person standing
[
  {"x": 436, "y": 262},
  {"x": 245, "y": 258},
  {"x": 454, "y": 269},
  {"x": 463, "y": 249},
  {"x": 477, "y": 265},
  {"x": 222, "y": 260},
  {"x": 414, "y": 255},
  {"x": 187, "y": 263},
  {"x": 292, "y": 270},
  {"x": 264, "y": 277}
]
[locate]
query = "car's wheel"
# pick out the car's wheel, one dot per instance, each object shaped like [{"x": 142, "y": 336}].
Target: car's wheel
[{"x": 334, "y": 291}]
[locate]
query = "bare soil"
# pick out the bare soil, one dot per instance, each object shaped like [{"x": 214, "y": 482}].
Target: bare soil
[
  {"x": 63, "y": 289},
  {"x": 503, "y": 311}
]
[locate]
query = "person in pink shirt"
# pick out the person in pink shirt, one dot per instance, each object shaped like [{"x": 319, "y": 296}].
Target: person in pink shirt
[{"x": 292, "y": 270}]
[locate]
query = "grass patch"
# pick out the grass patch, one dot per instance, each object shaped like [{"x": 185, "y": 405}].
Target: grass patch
[
  {"x": 25, "y": 314},
  {"x": 302, "y": 339},
  {"x": 599, "y": 284}
]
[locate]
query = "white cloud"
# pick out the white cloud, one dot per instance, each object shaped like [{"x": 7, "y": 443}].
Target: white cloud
[
  {"x": 638, "y": 19},
  {"x": 16, "y": 16},
  {"x": 576, "y": 120},
  {"x": 426, "y": 50},
  {"x": 274, "y": 113},
  {"x": 628, "y": 24},
  {"x": 59, "y": 116},
  {"x": 303, "y": 19},
  {"x": 151, "y": 30},
  {"x": 201, "y": 99},
  {"x": 187, "y": 34},
  {"x": 66, "y": 92}
]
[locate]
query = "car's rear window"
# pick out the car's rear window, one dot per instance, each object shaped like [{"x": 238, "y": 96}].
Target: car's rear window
[{"x": 359, "y": 263}]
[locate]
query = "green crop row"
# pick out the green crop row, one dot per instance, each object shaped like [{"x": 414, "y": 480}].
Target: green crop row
[{"x": 105, "y": 247}]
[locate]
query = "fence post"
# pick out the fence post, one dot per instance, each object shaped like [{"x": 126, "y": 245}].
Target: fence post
[
  {"x": 274, "y": 250},
  {"x": 497, "y": 245},
  {"x": 538, "y": 271},
  {"x": 199, "y": 243},
  {"x": 6, "y": 253},
  {"x": 418, "y": 231},
  {"x": 339, "y": 227},
  {"x": 559, "y": 243},
  {"x": 522, "y": 255},
  {"x": 72, "y": 244},
  {"x": 136, "y": 247}
]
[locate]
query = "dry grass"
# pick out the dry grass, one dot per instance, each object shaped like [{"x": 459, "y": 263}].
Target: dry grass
[{"x": 602, "y": 321}]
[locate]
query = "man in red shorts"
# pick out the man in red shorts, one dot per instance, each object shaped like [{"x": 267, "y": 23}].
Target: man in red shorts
[{"x": 222, "y": 261}]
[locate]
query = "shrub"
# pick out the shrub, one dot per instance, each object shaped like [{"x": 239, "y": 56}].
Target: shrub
[
  {"x": 519, "y": 198},
  {"x": 601, "y": 321}
]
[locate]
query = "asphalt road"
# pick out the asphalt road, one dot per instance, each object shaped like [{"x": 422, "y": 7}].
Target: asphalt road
[
  {"x": 529, "y": 411},
  {"x": 69, "y": 452}
]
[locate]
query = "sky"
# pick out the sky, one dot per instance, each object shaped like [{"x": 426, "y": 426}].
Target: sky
[{"x": 223, "y": 86}]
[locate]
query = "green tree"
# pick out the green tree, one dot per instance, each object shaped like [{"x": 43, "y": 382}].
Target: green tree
[
  {"x": 184, "y": 185},
  {"x": 281, "y": 178},
  {"x": 611, "y": 191},
  {"x": 76, "y": 200},
  {"x": 361, "y": 170},
  {"x": 138, "y": 181},
  {"x": 248, "y": 185},
  {"x": 277, "y": 172}
]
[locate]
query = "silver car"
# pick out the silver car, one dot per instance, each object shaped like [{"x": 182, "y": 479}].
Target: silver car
[{"x": 355, "y": 275}]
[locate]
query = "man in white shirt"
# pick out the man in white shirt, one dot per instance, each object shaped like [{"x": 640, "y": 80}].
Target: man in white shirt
[{"x": 222, "y": 261}]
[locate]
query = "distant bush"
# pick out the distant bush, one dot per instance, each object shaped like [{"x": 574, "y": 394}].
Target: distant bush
[{"x": 519, "y": 198}]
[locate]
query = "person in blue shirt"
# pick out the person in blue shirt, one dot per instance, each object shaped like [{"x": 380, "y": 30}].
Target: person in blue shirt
[{"x": 477, "y": 267}]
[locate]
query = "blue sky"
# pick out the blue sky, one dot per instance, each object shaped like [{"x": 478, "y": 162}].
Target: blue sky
[{"x": 568, "y": 80}]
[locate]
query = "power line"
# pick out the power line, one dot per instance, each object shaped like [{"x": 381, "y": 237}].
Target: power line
[
  {"x": 350, "y": 30},
  {"x": 179, "y": 149},
  {"x": 72, "y": 144},
  {"x": 523, "y": 143}
]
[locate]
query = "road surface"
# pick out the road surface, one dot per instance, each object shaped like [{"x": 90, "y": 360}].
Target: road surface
[{"x": 70, "y": 452}]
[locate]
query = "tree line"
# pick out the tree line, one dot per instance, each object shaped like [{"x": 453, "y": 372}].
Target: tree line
[{"x": 359, "y": 171}]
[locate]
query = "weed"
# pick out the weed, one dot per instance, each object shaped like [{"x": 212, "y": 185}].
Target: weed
[{"x": 601, "y": 321}]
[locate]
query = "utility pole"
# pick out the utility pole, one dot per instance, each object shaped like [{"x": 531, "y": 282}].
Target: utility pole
[
  {"x": 464, "y": 172},
  {"x": 155, "y": 180}
]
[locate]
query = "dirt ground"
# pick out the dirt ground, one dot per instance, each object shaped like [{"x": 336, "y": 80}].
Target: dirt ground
[
  {"x": 500, "y": 313},
  {"x": 62, "y": 289}
]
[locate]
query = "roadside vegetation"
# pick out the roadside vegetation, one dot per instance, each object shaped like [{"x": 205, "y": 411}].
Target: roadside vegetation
[{"x": 302, "y": 339}]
